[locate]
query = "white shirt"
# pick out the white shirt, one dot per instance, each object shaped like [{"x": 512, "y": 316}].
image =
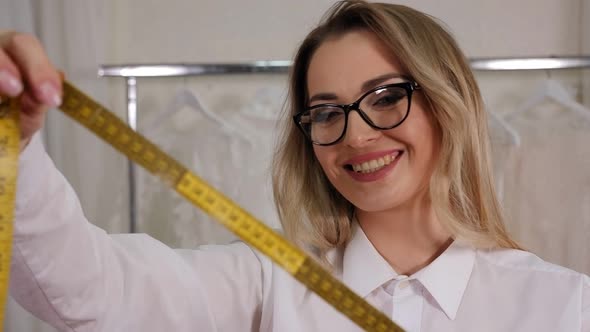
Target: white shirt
[{"x": 78, "y": 278}]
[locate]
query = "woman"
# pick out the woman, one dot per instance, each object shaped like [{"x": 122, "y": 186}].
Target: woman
[{"x": 383, "y": 172}]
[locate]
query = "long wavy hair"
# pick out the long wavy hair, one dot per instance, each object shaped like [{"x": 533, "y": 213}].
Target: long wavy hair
[{"x": 314, "y": 214}]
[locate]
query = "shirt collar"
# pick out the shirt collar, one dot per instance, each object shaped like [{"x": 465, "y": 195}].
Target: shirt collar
[
  {"x": 446, "y": 278},
  {"x": 360, "y": 257}
]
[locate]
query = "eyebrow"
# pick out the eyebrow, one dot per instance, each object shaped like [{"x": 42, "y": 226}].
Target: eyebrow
[{"x": 366, "y": 86}]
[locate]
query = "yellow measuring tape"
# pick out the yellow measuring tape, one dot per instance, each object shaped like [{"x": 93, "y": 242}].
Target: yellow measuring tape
[
  {"x": 9, "y": 149},
  {"x": 137, "y": 148}
]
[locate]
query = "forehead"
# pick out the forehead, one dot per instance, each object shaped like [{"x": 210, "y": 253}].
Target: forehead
[{"x": 342, "y": 64}]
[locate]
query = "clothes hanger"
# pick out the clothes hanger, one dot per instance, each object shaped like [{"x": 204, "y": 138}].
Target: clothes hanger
[
  {"x": 555, "y": 91},
  {"x": 187, "y": 98},
  {"x": 512, "y": 134},
  {"x": 266, "y": 103}
]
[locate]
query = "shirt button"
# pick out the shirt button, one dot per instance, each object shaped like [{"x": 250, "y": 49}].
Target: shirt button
[{"x": 404, "y": 284}]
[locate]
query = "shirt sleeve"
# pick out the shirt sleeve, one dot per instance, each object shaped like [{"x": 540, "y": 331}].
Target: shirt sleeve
[{"x": 77, "y": 278}]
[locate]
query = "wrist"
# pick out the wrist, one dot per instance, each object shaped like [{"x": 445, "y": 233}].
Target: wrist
[{"x": 24, "y": 143}]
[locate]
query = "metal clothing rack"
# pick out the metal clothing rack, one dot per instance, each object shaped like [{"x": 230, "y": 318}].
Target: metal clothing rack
[{"x": 131, "y": 72}]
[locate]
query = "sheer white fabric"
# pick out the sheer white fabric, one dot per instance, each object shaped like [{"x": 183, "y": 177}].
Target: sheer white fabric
[
  {"x": 235, "y": 158},
  {"x": 547, "y": 185},
  {"x": 503, "y": 151}
]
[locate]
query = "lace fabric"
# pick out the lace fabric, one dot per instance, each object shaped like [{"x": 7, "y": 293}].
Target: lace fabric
[
  {"x": 237, "y": 165},
  {"x": 546, "y": 185}
]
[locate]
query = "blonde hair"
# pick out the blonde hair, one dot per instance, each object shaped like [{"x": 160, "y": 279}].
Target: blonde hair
[{"x": 312, "y": 211}]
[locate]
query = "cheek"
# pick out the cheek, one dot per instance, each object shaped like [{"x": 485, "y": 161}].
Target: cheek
[
  {"x": 427, "y": 145},
  {"x": 421, "y": 138},
  {"x": 326, "y": 156}
]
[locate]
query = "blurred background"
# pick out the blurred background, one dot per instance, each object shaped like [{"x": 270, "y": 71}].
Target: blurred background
[{"x": 541, "y": 145}]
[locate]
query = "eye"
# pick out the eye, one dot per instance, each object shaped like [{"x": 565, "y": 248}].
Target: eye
[
  {"x": 387, "y": 98},
  {"x": 326, "y": 115}
]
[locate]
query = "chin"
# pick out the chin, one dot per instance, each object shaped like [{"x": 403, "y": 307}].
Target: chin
[{"x": 374, "y": 206}]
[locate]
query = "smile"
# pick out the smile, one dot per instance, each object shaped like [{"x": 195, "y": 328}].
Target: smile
[{"x": 373, "y": 165}]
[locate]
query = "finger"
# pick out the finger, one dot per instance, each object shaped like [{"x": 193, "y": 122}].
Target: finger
[
  {"x": 30, "y": 105},
  {"x": 28, "y": 54},
  {"x": 32, "y": 116},
  {"x": 10, "y": 79}
]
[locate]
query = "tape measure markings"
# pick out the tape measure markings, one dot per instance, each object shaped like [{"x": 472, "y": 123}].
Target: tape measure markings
[{"x": 9, "y": 150}]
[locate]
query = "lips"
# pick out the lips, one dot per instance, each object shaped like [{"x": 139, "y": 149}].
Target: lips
[
  {"x": 371, "y": 162},
  {"x": 373, "y": 166}
]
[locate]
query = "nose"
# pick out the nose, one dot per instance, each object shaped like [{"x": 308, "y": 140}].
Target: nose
[{"x": 359, "y": 133}]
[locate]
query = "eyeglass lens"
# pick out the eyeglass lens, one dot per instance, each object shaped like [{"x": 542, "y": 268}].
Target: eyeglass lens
[{"x": 385, "y": 108}]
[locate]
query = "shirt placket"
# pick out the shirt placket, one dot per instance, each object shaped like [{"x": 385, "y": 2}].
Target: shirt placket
[{"x": 407, "y": 302}]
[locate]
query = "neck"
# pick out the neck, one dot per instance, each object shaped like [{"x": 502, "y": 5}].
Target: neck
[{"x": 409, "y": 237}]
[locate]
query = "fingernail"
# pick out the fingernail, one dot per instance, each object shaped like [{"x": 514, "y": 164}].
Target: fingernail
[
  {"x": 10, "y": 84},
  {"x": 50, "y": 95}
]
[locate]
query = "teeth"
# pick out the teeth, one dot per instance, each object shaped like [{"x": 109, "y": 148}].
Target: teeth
[{"x": 375, "y": 164}]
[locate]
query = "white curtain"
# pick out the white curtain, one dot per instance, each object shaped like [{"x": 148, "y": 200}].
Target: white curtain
[
  {"x": 75, "y": 33},
  {"x": 585, "y": 48}
]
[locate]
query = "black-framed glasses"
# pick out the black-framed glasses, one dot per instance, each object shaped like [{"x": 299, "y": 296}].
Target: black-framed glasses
[{"x": 383, "y": 107}]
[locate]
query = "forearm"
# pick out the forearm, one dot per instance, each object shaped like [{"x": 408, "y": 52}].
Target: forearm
[
  {"x": 57, "y": 253},
  {"x": 78, "y": 278}
]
